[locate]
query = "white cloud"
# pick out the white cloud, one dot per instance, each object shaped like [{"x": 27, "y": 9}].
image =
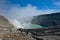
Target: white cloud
[
  {"x": 56, "y": 3},
  {"x": 29, "y": 11},
  {"x": 16, "y": 11},
  {"x": 16, "y": 23}
]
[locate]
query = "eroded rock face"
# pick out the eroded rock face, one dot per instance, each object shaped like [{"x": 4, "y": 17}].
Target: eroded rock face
[
  {"x": 47, "y": 20},
  {"x": 4, "y": 22},
  {"x": 5, "y": 26},
  {"x": 7, "y": 31},
  {"x": 2, "y": 18}
]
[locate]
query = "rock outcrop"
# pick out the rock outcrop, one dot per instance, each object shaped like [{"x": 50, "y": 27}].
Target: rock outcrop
[
  {"x": 8, "y": 32},
  {"x": 5, "y": 26},
  {"x": 47, "y": 20}
]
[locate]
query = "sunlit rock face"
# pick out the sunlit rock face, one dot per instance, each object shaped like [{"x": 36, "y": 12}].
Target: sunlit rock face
[
  {"x": 47, "y": 20},
  {"x": 4, "y": 22},
  {"x": 5, "y": 26}
]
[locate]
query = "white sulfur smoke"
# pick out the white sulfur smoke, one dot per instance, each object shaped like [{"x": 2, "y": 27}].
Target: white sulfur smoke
[{"x": 16, "y": 23}]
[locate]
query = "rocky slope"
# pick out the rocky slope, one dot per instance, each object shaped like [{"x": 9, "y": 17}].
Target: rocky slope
[
  {"x": 8, "y": 32},
  {"x": 5, "y": 26},
  {"x": 47, "y": 20}
]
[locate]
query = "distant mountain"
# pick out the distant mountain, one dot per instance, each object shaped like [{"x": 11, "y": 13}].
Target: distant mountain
[{"x": 47, "y": 20}]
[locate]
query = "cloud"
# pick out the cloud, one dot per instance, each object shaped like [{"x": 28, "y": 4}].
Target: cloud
[
  {"x": 16, "y": 23},
  {"x": 28, "y": 11},
  {"x": 15, "y": 12},
  {"x": 56, "y": 3}
]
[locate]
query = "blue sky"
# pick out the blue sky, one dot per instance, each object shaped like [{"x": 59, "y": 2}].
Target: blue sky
[
  {"x": 41, "y": 4},
  {"x": 28, "y": 7}
]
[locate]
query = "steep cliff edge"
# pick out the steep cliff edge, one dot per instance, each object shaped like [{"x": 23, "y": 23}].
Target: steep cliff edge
[{"x": 47, "y": 20}]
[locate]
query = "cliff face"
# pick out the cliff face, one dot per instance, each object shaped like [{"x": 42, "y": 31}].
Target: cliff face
[
  {"x": 3, "y": 19},
  {"x": 4, "y": 22},
  {"x": 47, "y": 20},
  {"x": 5, "y": 26}
]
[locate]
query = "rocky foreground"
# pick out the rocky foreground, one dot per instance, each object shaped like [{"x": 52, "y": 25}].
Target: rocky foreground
[{"x": 8, "y": 32}]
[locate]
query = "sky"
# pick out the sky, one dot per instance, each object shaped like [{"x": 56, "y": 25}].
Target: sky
[
  {"x": 17, "y": 9},
  {"x": 26, "y": 8},
  {"x": 40, "y": 4}
]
